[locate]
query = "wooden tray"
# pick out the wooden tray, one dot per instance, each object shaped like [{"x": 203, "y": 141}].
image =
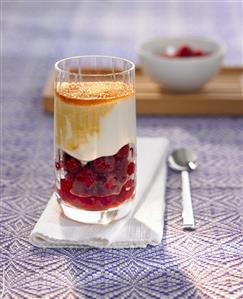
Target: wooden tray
[{"x": 223, "y": 95}]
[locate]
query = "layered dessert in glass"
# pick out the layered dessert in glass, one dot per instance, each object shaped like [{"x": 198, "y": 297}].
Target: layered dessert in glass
[{"x": 95, "y": 137}]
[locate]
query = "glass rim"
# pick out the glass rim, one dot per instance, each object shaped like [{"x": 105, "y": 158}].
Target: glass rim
[{"x": 131, "y": 68}]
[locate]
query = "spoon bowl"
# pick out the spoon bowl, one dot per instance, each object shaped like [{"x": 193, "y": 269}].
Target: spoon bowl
[{"x": 183, "y": 159}]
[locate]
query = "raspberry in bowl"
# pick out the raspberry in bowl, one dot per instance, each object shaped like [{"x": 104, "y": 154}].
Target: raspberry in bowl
[
  {"x": 184, "y": 51},
  {"x": 181, "y": 64},
  {"x": 95, "y": 138}
]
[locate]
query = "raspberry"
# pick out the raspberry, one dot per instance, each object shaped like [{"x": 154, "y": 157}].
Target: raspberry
[
  {"x": 66, "y": 157},
  {"x": 184, "y": 51},
  {"x": 70, "y": 177},
  {"x": 72, "y": 165},
  {"x": 131, "y": 168},
  {"x": 86, "y": 177},
  {"x": 101, "y": 178},
  {"x": 128, "y": 185},
  {"x": 106, "y": 200},
  {"x": 104, "y": 164},
  {"x": 121, "y": 167},
  {"x": 88, "y": 182},
  {"x": 198, "y": 52},
  {"x": 66, "y": 185},
  {"x": 123, "y": 152},
  {"x": 111, "y": 182}
]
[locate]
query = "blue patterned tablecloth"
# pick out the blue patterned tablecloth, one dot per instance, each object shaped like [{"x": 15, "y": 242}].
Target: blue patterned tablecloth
[{"x": 206, "y": 263}]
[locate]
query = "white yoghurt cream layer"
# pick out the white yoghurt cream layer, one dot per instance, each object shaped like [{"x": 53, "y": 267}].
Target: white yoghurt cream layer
[{"x": 89, "y": 132}]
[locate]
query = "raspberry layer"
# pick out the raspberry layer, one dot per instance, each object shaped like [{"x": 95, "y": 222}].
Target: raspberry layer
[{"x": 100, "y": 184}]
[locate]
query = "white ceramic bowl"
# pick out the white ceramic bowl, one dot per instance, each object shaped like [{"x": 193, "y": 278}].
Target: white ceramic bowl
[{"x": 181, "y": 74}]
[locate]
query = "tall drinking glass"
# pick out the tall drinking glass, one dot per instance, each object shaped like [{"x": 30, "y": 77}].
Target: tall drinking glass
[{"x": 95, "y": 137}]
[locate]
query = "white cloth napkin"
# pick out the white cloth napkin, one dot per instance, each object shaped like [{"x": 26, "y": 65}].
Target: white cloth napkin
[{"x": 143, "y": 226}]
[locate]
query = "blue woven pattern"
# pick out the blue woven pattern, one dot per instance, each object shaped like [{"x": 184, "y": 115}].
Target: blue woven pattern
[{"x": 206, "y": 263}]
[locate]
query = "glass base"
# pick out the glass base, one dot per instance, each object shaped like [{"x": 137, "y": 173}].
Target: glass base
[{"x": 96, "y": 217}]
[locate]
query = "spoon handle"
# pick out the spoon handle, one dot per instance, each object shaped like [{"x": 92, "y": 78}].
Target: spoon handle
[{"x": 187, "y": 211}]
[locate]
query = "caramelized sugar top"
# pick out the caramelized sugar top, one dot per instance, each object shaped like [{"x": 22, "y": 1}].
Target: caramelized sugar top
[{"x": 92, "y": 93}]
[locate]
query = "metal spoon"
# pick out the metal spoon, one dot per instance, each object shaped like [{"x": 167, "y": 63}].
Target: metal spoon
[{"x": 185, "y": 160}]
